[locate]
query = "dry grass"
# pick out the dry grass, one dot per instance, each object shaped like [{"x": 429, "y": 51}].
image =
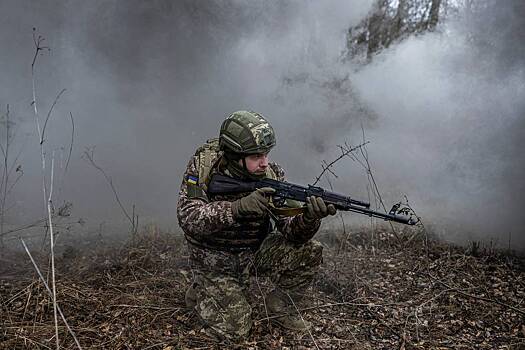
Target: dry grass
[{"x": 372, "y": 294}]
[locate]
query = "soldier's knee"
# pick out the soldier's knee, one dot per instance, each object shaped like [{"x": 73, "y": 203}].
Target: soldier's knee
[
  {"x": 223, "y": 309},
  {"x": 313, "y": 252}
]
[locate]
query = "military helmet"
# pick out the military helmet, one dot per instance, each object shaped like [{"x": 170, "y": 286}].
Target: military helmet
[{"x": 246, "y": 132}]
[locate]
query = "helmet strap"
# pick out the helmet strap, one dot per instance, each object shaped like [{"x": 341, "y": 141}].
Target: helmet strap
[{"x": 238, "y": 170}]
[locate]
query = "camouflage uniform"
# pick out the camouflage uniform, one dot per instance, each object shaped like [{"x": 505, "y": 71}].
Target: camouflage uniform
[{"x": 224, "y": 253}]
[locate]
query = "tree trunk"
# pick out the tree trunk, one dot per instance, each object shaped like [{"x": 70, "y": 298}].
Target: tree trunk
[
  {"x": 397, "y": 28},
  {"x": 375, "y": 27},
  {"x": 433, "y": 17}
]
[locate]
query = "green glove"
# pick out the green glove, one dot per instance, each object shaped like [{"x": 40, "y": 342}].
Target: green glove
[
  {"x": 316, "y": 209},
  {"x": 254, "y": 205}
]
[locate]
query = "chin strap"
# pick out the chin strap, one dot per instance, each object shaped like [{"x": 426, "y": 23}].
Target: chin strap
[{"x": 240, "y": 171}]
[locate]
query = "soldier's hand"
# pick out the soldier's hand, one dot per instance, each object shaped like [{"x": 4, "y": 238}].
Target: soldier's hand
[
  {"x": 254, "y": 205},
  {"x": 317, "y": 209}
]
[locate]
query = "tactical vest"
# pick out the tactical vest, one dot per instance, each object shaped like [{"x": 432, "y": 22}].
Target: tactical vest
[{"x": 247, "y": 234}]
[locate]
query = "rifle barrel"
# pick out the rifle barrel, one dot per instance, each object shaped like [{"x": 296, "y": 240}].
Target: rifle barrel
[{"x": 222, "y": 184}]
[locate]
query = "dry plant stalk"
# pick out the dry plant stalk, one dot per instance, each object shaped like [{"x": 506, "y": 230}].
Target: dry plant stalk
[
  {"x": 344, "y": 153},
  {"x": 304, "y": 322},
  {"x": 133, "y": 219},
  {"x": 50, "y": 292},
  {"x": 6, "y": 185},
  {"x": 38, "y": 39},
  {"x": 348, "y": 151}
]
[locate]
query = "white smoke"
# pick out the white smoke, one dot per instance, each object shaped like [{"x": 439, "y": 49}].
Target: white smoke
[{"x": 150, "y": 81}]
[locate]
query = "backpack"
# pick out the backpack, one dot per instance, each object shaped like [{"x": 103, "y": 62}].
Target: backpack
[{"x": 207, "y": 159}]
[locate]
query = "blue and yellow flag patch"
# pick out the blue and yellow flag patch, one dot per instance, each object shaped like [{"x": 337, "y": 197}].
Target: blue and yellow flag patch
[{"x": 192, "y": 180}]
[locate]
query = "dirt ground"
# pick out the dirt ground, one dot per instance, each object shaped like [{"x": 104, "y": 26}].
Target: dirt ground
[{"x": 374, "y": 291}]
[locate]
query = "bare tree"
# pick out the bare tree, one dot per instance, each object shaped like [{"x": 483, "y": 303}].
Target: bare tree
[{"x": 391, "y": 21}]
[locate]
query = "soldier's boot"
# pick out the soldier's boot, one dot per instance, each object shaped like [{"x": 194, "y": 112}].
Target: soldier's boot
[
  {"x": 191, "y": 297},
  {"x": 278, "y": 303}
]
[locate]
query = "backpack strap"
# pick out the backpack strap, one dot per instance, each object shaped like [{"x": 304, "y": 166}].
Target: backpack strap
[
  {"x": 270, "y": 174},
  {"x": 207, "y": 157}
]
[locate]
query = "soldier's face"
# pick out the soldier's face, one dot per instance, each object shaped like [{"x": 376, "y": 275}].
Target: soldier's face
[{"x": 256, "y": 163}]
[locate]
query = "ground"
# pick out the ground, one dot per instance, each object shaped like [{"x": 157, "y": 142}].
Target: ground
[{"x": 375, "y": 291}]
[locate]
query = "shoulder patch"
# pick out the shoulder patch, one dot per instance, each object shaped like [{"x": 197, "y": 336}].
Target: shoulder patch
[{"x": 192, "y": 180}]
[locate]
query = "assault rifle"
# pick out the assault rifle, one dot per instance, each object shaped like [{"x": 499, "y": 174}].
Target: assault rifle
[{"x": 222, "y": 184}]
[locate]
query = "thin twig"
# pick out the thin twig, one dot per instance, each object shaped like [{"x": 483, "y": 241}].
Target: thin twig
[
  {"x": 260, "y": 290},
  {"x": 49, "y": 115},
  {"x": 5, "y": 173},
  {"x": 331, "y": 305},
  {"x": 38, "y": 40},
  {"x": 478, "y": 296},
  {"x": 109, "y": 180},
  {"x": 302, "y": 319},
  {"x": 51, "y": 294},
  {"x": 145, "y": 307},
  {"x": 52, "y": 245},
  {"x": 332, "y": 163},
  {"x": 364, "y": 153},
  {"x": 25, "y": 227},
  {"x": 68, "y": 156},
  {"x": 345, "y": 235}
]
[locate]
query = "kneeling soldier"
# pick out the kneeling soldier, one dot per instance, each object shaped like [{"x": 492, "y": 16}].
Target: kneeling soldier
[{"x": 231, "y": 237}]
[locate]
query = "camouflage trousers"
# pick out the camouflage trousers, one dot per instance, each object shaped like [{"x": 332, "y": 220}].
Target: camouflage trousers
[{"x": 219, "y": 290}]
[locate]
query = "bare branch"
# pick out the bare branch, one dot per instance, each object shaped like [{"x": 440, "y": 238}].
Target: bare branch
[
  {"x": 49, "y": 115},
  {"x": 373, "y": 182},
  {"x": 302, "y": 319},
  {"x": 71, "y": 143},
  {"x": 344, "y": 153},
  {"x": 38, "y": 40},
  {"x": 88, "y": 154}
]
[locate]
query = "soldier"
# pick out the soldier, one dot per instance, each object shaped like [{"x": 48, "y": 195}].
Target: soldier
[{"x": 231, "y": 237}]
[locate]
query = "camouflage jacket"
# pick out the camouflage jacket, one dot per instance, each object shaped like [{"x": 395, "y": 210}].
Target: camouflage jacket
[{"x": 208, "y": 221}]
